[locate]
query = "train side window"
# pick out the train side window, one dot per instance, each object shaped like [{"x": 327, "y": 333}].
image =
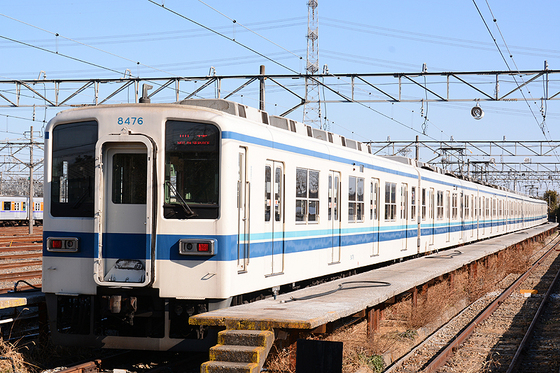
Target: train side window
[
  {"x": 278, "y": 194},
  {"x": 454, "y": 206},
  {"x": 404, "y": 201},
  {"x": 431, "y": 209},
  {"x": 390, "y": 201},
  {"x": 7, "y": 206},
  {"x": 330, "y": 200},
  {"x": 267, "y": 192},
  {"x": 439, "y": 203},
  {"x": 301, "y": 194},
  {"x": 412, "y": 203},
  {"x": 360, "y": 200},
  {"x": 73, "y": 169},
  {"x": 307, "y": 195},
  {"x": 467, "y": 208},
  {"x": 351, "y": 198},
  {"x": 313, "y": 196},
  {"x": 423, "y": 203},
  {"x": 355, "y": 199}
]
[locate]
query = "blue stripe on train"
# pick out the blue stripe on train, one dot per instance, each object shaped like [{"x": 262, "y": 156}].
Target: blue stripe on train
[{"x": 133, "y": 246}]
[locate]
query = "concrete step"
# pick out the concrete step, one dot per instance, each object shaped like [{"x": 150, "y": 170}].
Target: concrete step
[
  {"x": 242, "y": 351},
  {"x": 229, "y": 367},
  {"x": 261, "y": 338},
  {"x": 237, "y": 354}
]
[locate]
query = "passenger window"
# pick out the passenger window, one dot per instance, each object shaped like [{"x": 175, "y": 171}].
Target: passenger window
[
  {"x": 129, "y": 178},
  {"x": 413, "y": 203},
  {"x": 307, "y": 195},
  {"x": 439, "y": 204},
  {"x": 423, "y": 203},
  {"x": 355, "y": 199},
  {"x": 278, "y": 194},
  {"x": 73, "y": 169},
  {"x": 267, "y": 193},
  {"x": 390, "y": 201}
]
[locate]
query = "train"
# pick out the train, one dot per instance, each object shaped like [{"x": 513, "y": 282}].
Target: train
[
  {"x": 157, "y": 212},
  {"x": 14, "y": 210}
]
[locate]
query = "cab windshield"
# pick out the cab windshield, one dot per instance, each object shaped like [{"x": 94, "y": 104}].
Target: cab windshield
[{"x": 191, "y": 170}]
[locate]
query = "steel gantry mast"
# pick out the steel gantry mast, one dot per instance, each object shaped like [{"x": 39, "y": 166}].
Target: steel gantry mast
[
  {"x": 312, "y": 107},
  {"x": 475, "y": 87},
  {"x": 511, "y": 164}
]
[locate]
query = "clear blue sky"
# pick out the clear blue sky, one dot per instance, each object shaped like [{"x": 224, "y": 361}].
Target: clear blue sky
[{"x": 354, "y": 36}]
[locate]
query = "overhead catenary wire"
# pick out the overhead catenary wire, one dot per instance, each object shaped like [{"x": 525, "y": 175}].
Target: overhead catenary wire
[
  {"x": 60, "y": 54},
  {"x": 427, "y": 38},
  {"x": 248, "y": 29},
  {"x": 224, "y": 36},
  {"x": 274, "y": 61},
  {"x": 542, "y": 126}
]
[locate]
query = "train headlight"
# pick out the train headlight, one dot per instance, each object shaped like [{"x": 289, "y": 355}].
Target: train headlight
[
  {"x": 62, "y": 244},
  {"x": 197, "y": 247}
]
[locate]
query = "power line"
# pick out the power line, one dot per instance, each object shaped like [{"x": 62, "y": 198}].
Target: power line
[
  {"x": 542, "y": 126},
  {"x": 248, "y": 29},
  {"x": 60, "y": 54},
  {"x": 224, "y": 36},
  {"x": 83, "y": 44},
  {"x": 427, "y": 38}
]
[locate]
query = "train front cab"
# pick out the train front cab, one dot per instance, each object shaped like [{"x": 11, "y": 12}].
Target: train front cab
[{"x": 110, "y": 230}]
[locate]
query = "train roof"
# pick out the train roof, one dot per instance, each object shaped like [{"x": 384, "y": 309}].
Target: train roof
[{"x": 261, "y": 116}]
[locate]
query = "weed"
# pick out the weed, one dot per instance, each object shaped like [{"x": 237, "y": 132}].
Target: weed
[{"x": 374, "y": 362}]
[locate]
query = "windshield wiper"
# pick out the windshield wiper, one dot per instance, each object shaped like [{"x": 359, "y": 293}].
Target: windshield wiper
[{"x": 190, "y": 213}]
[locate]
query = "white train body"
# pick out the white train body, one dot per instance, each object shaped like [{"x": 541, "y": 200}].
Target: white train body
[{"x": 155, "y": 212}]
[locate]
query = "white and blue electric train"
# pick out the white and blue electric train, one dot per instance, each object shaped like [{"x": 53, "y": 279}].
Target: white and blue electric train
[{"x": 157, "y": 212}]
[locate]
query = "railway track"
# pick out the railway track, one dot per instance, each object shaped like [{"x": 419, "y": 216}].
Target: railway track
[
  {"x": 142, "y": 362},
  {"x": 487, "y": 335},
  {"x": 20, "y": 258}
]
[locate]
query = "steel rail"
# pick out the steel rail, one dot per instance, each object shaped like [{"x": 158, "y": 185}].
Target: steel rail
[
  {"x": 27, "y": 263},
  {"x": 20, "y": 275},
  {"x": 521, "y": 347},
  {"x": 12, "y": 249},
  {"x": 440, "y": 359}
]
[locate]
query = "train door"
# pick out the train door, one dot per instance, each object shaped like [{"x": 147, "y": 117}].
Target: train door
[
  {"x": 334, "y": 215},
  {"x": 448, "y": 215},
  {"x": 464, "y": 207},
  {"x": 477, "y": 214},
  {"x": 274, "y": 215},
  {"x": 404, "y": 215},
  {"x": 431, "y": 216},
  {"x": 483, "y": 215},
  {"x": 243, "y": 233},
  {"x": 124, "y": 223}
]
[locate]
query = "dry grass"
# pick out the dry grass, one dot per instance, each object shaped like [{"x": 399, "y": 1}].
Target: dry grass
[{"x": 13, "y": 358}]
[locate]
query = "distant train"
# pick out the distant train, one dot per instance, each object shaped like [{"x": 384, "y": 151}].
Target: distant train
[
  {"x": 157, "y": 212},
  {"x": 15, "y": 210}
]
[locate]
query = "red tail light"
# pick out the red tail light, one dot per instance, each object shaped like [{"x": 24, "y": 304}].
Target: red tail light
[{"x": 194, "y": 246}]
